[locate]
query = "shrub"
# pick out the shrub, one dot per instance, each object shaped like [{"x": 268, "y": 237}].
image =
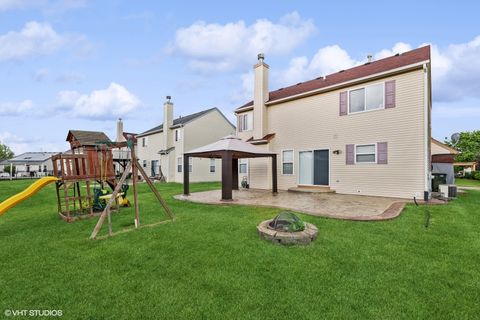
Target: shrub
[{"x": 476, "y": 175}]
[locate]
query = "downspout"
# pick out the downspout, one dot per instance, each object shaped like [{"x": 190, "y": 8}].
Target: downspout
[{"x": 426, "y": 116}]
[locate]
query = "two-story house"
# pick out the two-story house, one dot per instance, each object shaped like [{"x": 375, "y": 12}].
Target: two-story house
[
  {"x": 364, "y": 131},
  {"x": 160, "y": 149}
]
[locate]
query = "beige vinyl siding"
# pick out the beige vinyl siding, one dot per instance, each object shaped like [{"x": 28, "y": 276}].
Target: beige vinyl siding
[
  {"x": 202, "y": 131},
  {"x": 314, "y": 123},
  {"x": 436, "y": 149}
]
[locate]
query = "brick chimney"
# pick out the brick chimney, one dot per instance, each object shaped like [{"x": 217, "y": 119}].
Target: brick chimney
[
  {"x": 260, "y": 96},
  {"x": 167, "y": 123}
]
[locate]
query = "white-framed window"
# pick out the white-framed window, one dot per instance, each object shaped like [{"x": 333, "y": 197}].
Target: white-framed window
[
  {"x": 144, "y": 141},
  {"x": 190, "y": 164},
  {"x": 144, "y": 163},
  {"x": 178, "y": 134},
  {"x": 366, "y": 153},
  {"x": 243, "y": 166},
  {"x": 212, "y": 165},
  {"x": 287, "y": 161},
  {"x": 179, "y": 164},
  {"x": 368, "y": 98},
  {"x": 245, "y": 121}
]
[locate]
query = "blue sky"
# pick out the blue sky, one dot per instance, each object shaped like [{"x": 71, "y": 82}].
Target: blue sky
[{"x": 79, "y": 64}]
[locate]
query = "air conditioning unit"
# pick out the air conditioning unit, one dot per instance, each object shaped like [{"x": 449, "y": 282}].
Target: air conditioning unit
[{"x": 448, "y": 190}]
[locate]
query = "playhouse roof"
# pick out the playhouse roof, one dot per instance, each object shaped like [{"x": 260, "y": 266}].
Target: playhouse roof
[{"x": 86, "y": 138}]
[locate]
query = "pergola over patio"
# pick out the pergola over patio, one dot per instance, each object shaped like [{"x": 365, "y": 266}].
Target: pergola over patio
[{"x": 229, "y": 149}]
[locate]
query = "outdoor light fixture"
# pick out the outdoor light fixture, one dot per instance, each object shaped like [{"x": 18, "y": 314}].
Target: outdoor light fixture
[{"x": 337, "y": 152}]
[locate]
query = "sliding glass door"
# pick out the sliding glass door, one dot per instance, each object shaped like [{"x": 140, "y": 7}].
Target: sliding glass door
[
  {"x": 306, "y": 167},
  {"x": 314, "y": 167}
]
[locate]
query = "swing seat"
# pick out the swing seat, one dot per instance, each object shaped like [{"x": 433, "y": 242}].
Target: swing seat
[{"x": 108, "y": 196}]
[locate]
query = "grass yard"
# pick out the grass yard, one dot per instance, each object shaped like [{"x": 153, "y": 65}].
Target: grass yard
[
  {"x": 467, "y": 182},
  {"x": 210, "y": 264}
]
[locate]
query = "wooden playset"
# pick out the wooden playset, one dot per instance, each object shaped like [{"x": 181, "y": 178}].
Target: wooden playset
[{"x": 87, "y": 170}]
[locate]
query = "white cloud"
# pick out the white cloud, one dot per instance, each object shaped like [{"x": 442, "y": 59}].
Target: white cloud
[
  {"x": 327, "y": 60},
  {"x": 20, "y": 144},
  {"x": 245, "y": 91},
  {"x": 37, "y": 38},
  {"x": 34, "y": 39},
  {"x": 15, "y": 108},
  {"x": 106, "y": 103},
  {"x": 455, "y": 69},
  {"x": 399, "y": 47},
  {"x": 222, "y": 47}
]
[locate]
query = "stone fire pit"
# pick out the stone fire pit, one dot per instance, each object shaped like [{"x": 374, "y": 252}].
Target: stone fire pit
[{"x": 287, "y": 229}]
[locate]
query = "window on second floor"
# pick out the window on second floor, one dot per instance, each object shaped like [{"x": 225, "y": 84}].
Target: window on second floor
[
  {"x": 245, "y": 121},
  {"x": 144, "y": 141},
  {"x": 178, "y": 134},
  {"x": 367, "y": 98}
]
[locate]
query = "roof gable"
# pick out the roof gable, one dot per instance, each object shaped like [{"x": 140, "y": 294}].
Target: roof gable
[
  {"x": 180, "y": 121},
  {"x": 358, "y": 72}
]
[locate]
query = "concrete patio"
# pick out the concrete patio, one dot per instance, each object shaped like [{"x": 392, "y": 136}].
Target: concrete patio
[{"x": 339, "y": 206}]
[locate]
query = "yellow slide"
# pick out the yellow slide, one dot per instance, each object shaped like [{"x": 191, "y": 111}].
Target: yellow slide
[{"x": 25, "y": 194}]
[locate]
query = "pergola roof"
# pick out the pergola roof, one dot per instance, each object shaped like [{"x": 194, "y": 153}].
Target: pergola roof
[{"x": 238, "y": 147}]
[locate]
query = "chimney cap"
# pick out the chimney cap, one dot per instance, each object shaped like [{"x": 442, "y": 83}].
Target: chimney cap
[
  {"x": 169, "y": 97},
  {"x": 119, "y": 119},
  {"x": 369, "y": 57},
  {"x": 261, "y": 56}
]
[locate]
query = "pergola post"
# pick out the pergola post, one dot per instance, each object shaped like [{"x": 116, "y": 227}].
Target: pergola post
[
  {"x": 274, "y": 173},
  {"x": 227, "y": 175},
  {"x": 186, "y": 175},
  {"x": 235, "y": 174}
]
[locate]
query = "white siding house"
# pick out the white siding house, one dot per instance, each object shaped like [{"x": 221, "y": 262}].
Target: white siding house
[{"x": 162, "y": 150}]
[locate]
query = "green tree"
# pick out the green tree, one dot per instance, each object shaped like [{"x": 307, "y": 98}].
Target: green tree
[
  {"x": 5, "y": 152},
  {"x": 7, "y": 169},
  {"x": 468, "y": 145}
]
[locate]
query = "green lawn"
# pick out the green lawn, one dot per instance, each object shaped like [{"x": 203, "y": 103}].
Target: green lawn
[
  {"x": 210, "y": 264},
  {"x": 467, "y": 182}
]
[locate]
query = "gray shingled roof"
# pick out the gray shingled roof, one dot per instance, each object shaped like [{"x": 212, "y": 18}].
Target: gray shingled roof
[
  {"x": 32, "y": 157},
  {"x": 178, "y": 122},
  {"x": 88, "y": 138}
]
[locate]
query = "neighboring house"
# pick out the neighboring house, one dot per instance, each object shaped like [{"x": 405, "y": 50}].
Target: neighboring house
[
  {"x": 365, "y": 130},
  {"x": 162, "y": 149},
  {"x": 443, "y": 157},
  {"x": 31, "y": 164}
]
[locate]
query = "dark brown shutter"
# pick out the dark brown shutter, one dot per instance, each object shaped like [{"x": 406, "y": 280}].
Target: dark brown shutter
[
  {"x": 343, "y": 103},
  {"x": 350, "y": 154},
  {"x": 390, "y": 94},
  {"x": 382, "y": 153}
]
